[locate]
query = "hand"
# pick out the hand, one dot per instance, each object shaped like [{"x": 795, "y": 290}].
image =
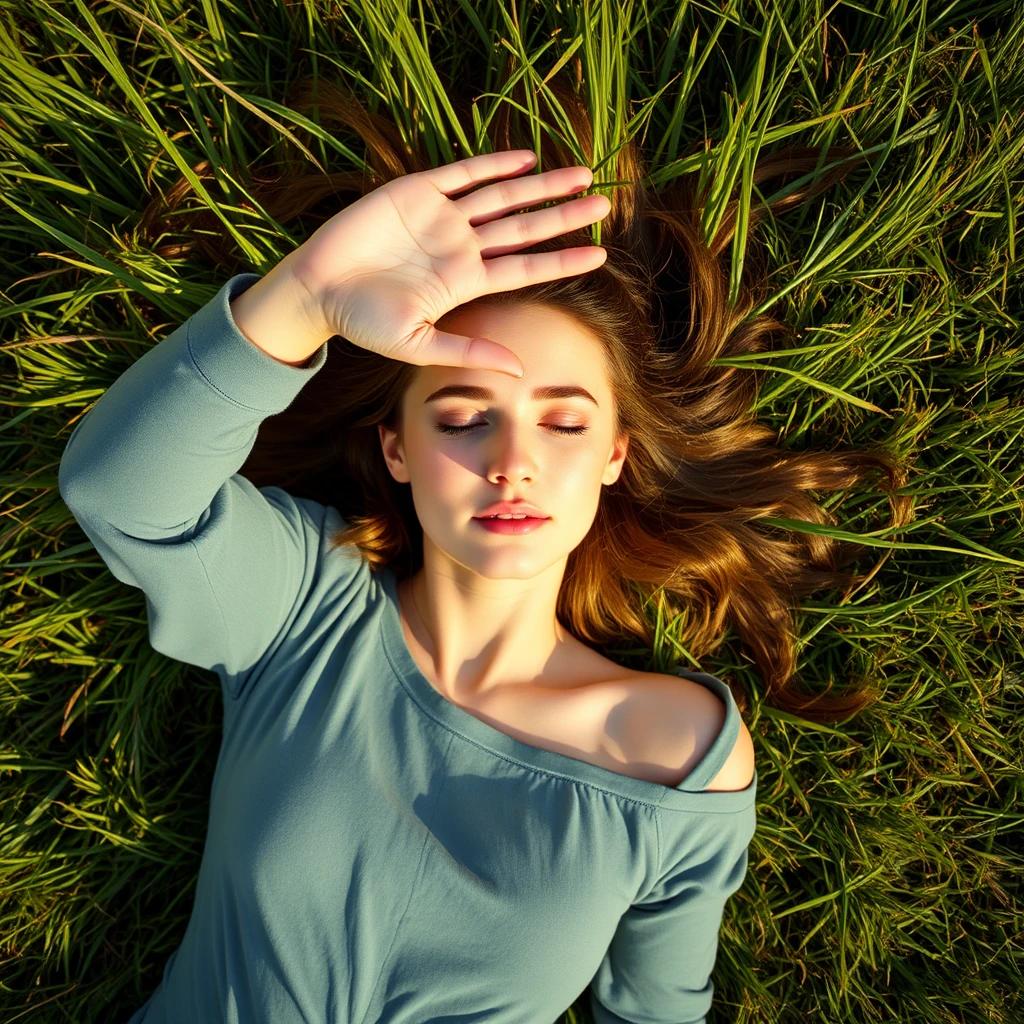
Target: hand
[{"x": 384, "y": 270}]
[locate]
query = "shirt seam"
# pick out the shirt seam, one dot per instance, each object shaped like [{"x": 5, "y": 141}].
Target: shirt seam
[{"x": 231, "y": 682}]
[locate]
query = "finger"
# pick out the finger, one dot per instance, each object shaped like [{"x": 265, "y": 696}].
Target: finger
[
  {"x": 461, "y": 174},
  {"x": 521, "y": 269},
  {"x": 487, "y": 204},
  {"x": 447, "y": 349},
  {"x": 512, "y": 233}
]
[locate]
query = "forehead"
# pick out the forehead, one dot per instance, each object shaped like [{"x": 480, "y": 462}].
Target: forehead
[{"x": 553, "y": 347}]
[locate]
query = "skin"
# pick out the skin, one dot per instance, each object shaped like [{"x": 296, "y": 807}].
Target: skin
[{"x": 483, "y": 607}]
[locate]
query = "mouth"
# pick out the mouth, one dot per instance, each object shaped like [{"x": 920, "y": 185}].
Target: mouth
[
  {"x": 526, "y": 524},
  {"x": 511, "y": 519}
]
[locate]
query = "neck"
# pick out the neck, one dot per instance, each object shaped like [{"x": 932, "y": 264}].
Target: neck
[{"x": 476, "y": 639}]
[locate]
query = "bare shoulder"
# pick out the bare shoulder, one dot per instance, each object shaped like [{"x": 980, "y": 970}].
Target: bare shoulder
[{"x": 673, "y": 723}]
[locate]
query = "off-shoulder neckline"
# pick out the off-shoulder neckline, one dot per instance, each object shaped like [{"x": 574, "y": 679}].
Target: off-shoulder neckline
[{"x": 687, "y": 796}]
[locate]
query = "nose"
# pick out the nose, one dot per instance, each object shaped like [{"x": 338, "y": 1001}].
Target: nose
[{"x": 509, "y": 458}]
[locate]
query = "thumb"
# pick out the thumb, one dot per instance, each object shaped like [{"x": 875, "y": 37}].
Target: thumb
[{"x": 476, "y": 353}]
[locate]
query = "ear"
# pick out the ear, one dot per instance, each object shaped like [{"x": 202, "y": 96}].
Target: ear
[
  {"x": 394, "y": 455},
  {"x": 616, "y": 459}
]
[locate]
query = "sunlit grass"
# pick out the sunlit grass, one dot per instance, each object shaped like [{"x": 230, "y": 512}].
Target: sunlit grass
[{"x": 884, "y": 875}]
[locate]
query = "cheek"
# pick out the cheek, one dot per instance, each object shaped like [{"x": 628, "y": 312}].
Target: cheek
[
  {"x": 581, "y": 494},
  {"x": 579, "y": 468},
  {"x": 575, "y": 476},
  {"x": 578, "y": 481},
  {"x": 440, "y": 468}
]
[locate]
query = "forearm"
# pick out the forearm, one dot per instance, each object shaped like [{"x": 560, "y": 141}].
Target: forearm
[{"x": 273, "y": 315}]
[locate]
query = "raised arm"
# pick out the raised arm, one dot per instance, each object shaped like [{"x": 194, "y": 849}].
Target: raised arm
[{"x": 150, "y": 474}]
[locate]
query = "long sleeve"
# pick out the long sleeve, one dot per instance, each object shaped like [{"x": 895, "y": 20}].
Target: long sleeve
[
  {"x": 657, "y": 969},
  {"x": 150, "y": 475}
]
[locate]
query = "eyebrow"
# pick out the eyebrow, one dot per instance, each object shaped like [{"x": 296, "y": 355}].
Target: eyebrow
[{"x": 544, "y": 394}]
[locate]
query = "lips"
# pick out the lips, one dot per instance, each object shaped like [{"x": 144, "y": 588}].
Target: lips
[
  {"x": 514, "y": 516},
  {"x": 510, "y": 527},
  {"x": 512, "y": 507}
]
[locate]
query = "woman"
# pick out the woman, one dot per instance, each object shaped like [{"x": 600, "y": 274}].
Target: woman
[{"x": 435, "y": 799}]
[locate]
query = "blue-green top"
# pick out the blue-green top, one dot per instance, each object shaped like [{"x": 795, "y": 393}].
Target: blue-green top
[{"x": 375, "y": 854}]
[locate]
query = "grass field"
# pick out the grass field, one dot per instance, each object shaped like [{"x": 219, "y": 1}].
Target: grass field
[{"x": 884, "y": 880}]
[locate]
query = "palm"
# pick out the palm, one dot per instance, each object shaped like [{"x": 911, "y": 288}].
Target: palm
[{"x": 386, "y": 268}]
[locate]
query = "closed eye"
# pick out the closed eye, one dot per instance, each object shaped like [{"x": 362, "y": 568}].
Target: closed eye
[{"x": 448, "y": 428}]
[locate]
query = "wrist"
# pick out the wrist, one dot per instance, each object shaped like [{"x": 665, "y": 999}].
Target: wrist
[{"x": 275, "y": 314}]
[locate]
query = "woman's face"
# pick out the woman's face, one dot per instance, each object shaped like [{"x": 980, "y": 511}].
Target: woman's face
[{"x": 554, "y": 452}]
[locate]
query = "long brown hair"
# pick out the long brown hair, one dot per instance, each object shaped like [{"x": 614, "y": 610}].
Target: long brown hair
[{"x": 680, "y": 526}]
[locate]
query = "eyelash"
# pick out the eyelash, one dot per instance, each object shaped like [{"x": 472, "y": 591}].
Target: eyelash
[{"x": 447, "y": 428}]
